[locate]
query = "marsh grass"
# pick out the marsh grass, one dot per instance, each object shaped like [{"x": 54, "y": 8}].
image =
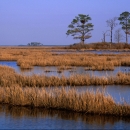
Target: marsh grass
[
  {"x": 26, "y": 66},
  {"x": 102, "y": 120},
  {"x": 28, "y": 57},
  {"x": 9, "y": 77},
  {"x": 19, "y": 90},
  {"x": 65, "y": 67},
  {"x": 87, "y": 68},
  {"x": 88, "y": 102}
]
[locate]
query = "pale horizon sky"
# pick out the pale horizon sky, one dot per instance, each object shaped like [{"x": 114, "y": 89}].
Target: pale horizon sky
[{"x": 46, "y": 21}]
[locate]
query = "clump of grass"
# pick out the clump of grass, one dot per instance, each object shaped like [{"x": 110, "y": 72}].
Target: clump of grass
[
  {"x": 26, "y": 66},
  {"x": 87, "y": 68},
  {"x": 87, "y": 102},
  {"x": 27, "y": 57},
  {"x": 64, "y": 67},
  {"x": 9, "y": 77}
]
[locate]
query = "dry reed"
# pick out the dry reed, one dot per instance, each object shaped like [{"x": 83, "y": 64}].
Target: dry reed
[
  {"x": 28, "y": 57},
  {"x": 87, "y": 102},
  {"x": 8, "y": 77}
]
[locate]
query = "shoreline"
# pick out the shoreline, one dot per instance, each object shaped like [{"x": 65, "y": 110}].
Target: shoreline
[{"x": 89, "y": 102}]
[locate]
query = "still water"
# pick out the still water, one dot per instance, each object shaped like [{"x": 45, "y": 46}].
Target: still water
[
  {"x": 54, "y": 70},
  {"x": 90, "y": 51},
  {"x": 27, "y": 118},
  {"x": 118, "y": 92}
]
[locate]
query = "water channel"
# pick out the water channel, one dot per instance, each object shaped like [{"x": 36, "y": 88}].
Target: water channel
[
  {"x": 90, "y": 51},
  {"x": 53, "y": 71},
  {"x": 21, "y": 118},
  {"x": 118, "y": 92}
]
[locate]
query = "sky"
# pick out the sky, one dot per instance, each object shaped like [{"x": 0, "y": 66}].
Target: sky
[{"x": 46, "y": 21}]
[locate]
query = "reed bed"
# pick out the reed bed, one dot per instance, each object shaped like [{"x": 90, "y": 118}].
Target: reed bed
[
  {"x": 87, "y": 102},
  {"x": 65, "y": 67},
  {"x": 8, "y": 77},
  {"x": 26, "y": 58}
]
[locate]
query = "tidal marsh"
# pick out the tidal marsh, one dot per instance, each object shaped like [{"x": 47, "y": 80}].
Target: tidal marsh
[
  {"x": 27, "y": 57},
  {"x": 22, "y": 90},
  {"x": 87, "y": 102},
  {"x": 8, "y": 76}
]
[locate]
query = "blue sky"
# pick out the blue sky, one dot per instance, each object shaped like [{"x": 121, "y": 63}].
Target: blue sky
[{"x": 46, "y": 21}]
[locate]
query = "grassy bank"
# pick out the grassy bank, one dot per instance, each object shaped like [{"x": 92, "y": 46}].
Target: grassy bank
[
  {"x": 27, "y": 57},
  {"x": 20, "y": 90},
  {"x": 100, "y": 45},
  {"x": 87, "y": 102},
  {"x": 8, "y": 77}
]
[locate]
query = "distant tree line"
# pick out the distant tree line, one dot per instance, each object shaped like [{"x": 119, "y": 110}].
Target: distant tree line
[
  {"x": 80, "y": 28},
  {"x": 35, "y": 44}
]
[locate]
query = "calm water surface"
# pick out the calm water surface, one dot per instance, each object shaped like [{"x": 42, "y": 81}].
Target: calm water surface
[
  {"x": 26, "y": 118},
  {"x": 90, "y": 51},
  {"x": 118, "y": 92},
  {"x": 54, "y": 70}
]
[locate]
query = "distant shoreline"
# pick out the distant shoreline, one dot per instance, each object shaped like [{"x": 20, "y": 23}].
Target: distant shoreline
[{"x": 34, "y": 46}]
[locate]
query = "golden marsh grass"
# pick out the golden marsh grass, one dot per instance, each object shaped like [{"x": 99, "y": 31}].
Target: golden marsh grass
[
  {"x": 87, "y": 102},
  {"x": 8, "y": 77},
  {"x": 28, "y": 57},
  {"x": 20, "y": 90}
]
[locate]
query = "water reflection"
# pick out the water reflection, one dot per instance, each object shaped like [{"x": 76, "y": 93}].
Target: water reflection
[
  {"x": 118, "y": 92},
  {"x": 75, "y": 70},
  {"x": 20, "y": 117},
  {"x": 53, "y": 70}
]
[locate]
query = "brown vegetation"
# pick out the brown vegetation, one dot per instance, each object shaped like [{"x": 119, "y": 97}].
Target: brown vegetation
[
  {"x": 8, "y": 77},
  {"x": 100, "y": 45},
  {"x": 17, "y": 112},
  {"x": 19, "y": 90},
  {"x": 87, "y": 102},
  {"x": 27, "y": 57}
]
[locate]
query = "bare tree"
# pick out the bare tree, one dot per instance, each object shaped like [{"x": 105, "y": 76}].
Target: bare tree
[
  {"x": 112, "y": 24},
  {"x": 104, "y": 36},
  {"x": 118, "y": 36}
]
